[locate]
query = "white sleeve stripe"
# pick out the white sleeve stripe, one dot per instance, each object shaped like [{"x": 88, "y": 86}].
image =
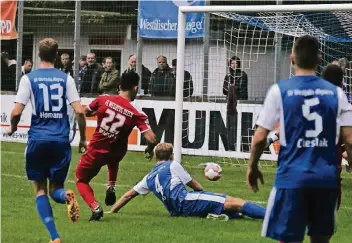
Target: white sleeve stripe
[
  {"x": 88, "y": 107},
  {"x": 146, "y": 130}
]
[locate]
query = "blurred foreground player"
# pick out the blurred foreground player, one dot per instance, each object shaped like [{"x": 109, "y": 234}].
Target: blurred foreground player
[
  {"x": 168, "y": 180},
  {"x": 48, "y": 151},
  {"x": 312, "y": 113},
  {"x": 116, "y": 119}
]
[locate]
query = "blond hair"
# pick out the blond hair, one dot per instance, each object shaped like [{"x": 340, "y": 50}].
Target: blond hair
[{"x": 164, "y": 151}]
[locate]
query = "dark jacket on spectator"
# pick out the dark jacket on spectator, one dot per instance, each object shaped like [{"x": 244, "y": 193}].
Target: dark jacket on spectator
[
  {"x": 146, "y": 74},
  {"x": 239, "y": 78},
  {"x": 8, "y": 76},
  {"x": 187, "y": 84},
  {"x": 67, "y": 70},
  {"x": 109, "y": 82},
  {"x": 91, "y": 78},
  {"x": 162, "y": 82}
]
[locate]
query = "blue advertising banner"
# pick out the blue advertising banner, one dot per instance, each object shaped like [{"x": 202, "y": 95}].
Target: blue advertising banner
[{"x": 158, "y": 19}]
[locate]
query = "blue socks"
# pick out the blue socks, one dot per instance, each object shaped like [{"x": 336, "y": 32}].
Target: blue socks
[
  {"x": 59, "y": 195},
  {"x": 46, "y": 214},
  {"x": 253, "y": 210}
]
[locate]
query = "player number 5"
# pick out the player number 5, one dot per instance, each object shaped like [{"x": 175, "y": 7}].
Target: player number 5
[{"x": 312, "y": 116}]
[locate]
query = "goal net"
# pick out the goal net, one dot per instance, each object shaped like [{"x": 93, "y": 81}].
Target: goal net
[{"x": 243, "y": 54}]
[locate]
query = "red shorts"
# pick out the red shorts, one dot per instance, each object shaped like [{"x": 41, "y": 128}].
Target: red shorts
[{"x": 91, "y": 162}]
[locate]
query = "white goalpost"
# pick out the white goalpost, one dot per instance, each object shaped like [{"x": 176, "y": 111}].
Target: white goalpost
[{"x": 256, "y": 35}]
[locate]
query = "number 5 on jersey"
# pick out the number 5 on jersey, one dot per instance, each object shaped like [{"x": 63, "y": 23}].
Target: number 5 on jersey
[{"x": 312, "y": 116}]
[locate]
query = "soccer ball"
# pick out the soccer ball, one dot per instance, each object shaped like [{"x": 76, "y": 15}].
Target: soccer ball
[{"x": 212, "y": 171}]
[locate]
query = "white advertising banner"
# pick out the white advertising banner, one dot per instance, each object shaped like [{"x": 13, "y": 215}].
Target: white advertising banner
[{"x": 204, "y": 128}]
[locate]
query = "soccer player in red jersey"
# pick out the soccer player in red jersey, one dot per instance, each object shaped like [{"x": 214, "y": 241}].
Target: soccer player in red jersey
[{"x": 116, "y": 119}]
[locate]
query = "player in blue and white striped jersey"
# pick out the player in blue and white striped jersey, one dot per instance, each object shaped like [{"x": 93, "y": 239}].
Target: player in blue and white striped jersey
[{"x": 168, "y": 180}]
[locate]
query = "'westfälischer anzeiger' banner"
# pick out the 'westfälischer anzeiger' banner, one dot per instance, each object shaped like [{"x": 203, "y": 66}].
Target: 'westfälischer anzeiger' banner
[{"x": 158, "y": 19}]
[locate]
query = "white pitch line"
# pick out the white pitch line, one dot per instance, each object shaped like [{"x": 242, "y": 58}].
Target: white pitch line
[{"x": 69, "y": 181}]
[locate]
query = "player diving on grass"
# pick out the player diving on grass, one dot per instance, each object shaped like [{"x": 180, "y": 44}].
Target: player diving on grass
[
  {"x": 116, "y": 119},
  {"x": 48, "y": 150},
  {"x": 312, "y": 114},
  {"x": 168, "y": 179}
]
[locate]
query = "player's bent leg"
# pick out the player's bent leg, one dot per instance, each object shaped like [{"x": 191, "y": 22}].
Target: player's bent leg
[
  {"x": 110, "y": 197},
  {"x": 85, "y": 171},
  {"x": 249, "y": 209},
  {"x": 44, "y": 209},
  {"x": 113, "y": 168},
  {"x": 61, "y": 195},
  {"x": 201, "y": 204}
]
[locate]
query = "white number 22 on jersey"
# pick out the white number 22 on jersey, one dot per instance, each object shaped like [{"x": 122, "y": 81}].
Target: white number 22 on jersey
[
  {"x": 114, "y": 126},
  {"x": 312, "y": 116},
  {"x": 58, "y": 96}
]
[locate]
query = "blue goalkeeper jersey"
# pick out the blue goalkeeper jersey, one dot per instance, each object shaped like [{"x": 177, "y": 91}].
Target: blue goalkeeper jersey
[
  {"x": 310, "y": 112},
  {"x": 167, "y": 181},
  {"x": 48, "y": 90}
]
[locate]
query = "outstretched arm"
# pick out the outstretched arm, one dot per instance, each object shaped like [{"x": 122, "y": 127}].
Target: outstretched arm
[
  {"x": 195, "y": 185},
  {"x": 128, "y": 196}
]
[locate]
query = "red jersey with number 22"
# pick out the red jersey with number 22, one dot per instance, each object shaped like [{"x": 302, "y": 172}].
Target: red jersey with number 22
[{"x": 116, "y": 119}]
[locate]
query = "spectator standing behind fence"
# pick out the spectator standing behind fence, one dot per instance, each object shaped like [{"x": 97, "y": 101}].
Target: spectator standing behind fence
[
  {"x": 27, "y": 66},
  {"x": 188, "y": 82},
  {"x": 146, "y": 74},
  {"x": 109, "y": 82},
  {"x": 235, "y": 88},
  {"x": 162, "y": 81},
  {"x": 92, "y": 75},
  {"x": 238, "y": 77},
  {"x": 9, "y": 81},
  {"x": 66, "y": 65}
]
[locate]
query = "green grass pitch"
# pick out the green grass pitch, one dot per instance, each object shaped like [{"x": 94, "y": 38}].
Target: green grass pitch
[{"x": 144, "y": 219}]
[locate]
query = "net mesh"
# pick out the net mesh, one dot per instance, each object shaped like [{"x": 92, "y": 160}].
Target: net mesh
[{"x": 261, "y": 44}]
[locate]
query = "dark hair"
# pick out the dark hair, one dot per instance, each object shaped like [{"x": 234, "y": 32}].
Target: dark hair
[
  {"x": 104, "y": 61},
  {"x": 174, "y": 62},
  {"x": 129, "y": 81},
  {"x": 83, "y": 58},
  {"x": 48, "y": 50},
  {"x": 306, "y": 50},
  {"x": 238, "y": 61},
  {"x": 28, "y": 60},
  {"x": 333, "y": 74}
]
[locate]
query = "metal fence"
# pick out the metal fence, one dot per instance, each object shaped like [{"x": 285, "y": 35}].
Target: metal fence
[{"x": 90, "y": 31}]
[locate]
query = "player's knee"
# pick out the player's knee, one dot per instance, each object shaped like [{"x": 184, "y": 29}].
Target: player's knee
[
  {"x": 233, "y": 204},
  {"x": 40, "y": 188}
]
